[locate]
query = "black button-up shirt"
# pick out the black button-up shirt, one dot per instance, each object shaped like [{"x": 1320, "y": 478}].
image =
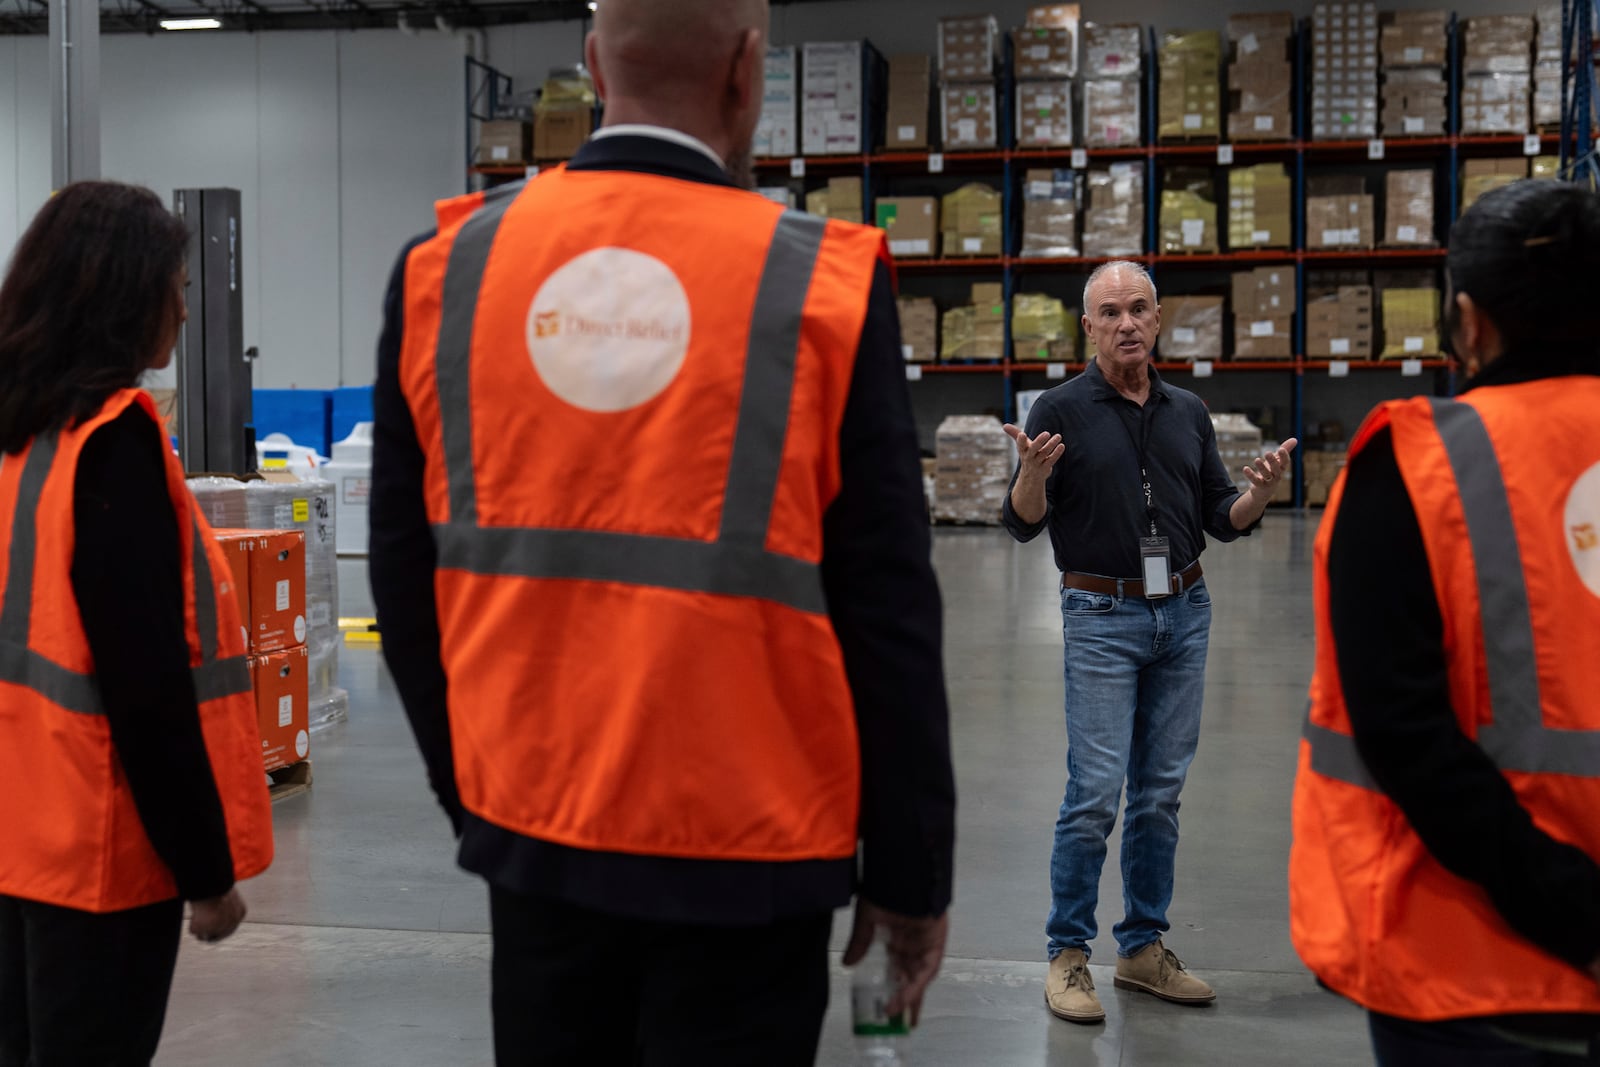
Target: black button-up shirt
[{"x": 1097, "y": 510}]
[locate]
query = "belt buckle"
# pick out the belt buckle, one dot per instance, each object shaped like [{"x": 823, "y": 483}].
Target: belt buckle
[{"x": 1177, "y": 584}]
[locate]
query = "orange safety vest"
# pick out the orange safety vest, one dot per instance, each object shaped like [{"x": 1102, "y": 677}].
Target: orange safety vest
[
  {"x": 1506, "y": 486},
  {"x": 71, "y": 835},
  {"x": 629, "y": 391}
]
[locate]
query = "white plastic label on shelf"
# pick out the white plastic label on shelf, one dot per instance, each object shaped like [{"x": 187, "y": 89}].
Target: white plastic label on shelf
[
  {"x": 797, "y": 167},
  {"x": 972, "y": 244},
  {"x": 1202, "y": 368},
  {"x": 913, "y": 373},
  {"x": 908, "y": 351},
  {"x": 1413, "y": 55},
  {"x": 1375, "y": 148},
  {"x": 1080, "y": 158},
  {"x": 1056, "y": 370},
  {"x": 1261, "y": 237},
  {"x": 1193, "y": 122},
  {"x": 1339, "y": 346},
  {"x": 1413, "y": 124},
  {"x": 1224, "y": 155},
  {"x": 1263, "y": 328},
  {"x": 908, "y": 133},
  {"x": 1411, "y": 368},
  {"x": 1413, "y": 344},
  {"x": 1339, "y": 368},
  {"x": 1194, "y": 232},
  {"x": 1406, "y": 235},
  {"x": 935, "y": 162},
  {"x": 1183, "y": 335},
  {"x": 1264, "y": 123},
  {"x": 1041, "y": 190},
  {"x": 1531, "y": 145},
  {"x": 530, "y": 172}
]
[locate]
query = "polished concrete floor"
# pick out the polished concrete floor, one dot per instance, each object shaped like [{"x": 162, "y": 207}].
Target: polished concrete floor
[{"x": 366, "y": 946}]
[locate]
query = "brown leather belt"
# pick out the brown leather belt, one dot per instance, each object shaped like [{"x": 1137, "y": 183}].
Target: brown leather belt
[{"x": 1128, "y": 587}]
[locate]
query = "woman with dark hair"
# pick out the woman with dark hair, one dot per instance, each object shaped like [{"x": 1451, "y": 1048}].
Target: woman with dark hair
[
  {"x": 1445, "y": 872},
  {"x": 130, "y": 767}
]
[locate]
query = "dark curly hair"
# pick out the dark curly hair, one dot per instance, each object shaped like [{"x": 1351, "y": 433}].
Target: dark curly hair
[
  {"x": 1528, "y": 255},
  {"x": 91, "y": 295}
]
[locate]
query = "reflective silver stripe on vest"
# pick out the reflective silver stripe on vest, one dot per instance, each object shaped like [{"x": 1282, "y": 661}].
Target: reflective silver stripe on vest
[
  {"x": 737, "y": 563},
  {"x": 1516, "y": 739}
]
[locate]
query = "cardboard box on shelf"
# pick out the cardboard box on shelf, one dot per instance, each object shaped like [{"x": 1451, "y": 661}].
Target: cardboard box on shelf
[
  {"x": 845, "y": 200},
  {"x": 1042, "y": 52},
  {"x": 973, "y": 473},
  {"x": 1191, "y": 328},
  {"x": 1544, "y": 167},
  {"x": 1239, "y": 443},
  {"x": 1113, "y": 219},
  {"x": 1259, "y": 86},
  {"x": 1322, "y": 469},
  {"x": 974, "y": 331},
  {"x": 1111, "y": 112},
  {"x": 1410, "y": 323},
  {"x": 910, "y": 82},
  {"x": 1479, "y": 176},
  {"x": 1498, "y": 44},
  {"x": 972, "y": 220},
  {"x": 1414, "y": 102},
  {"x": 1260, "y": 207},
  {"x": 778, "y": 132},
  {"x": 1339, "y": 221},
  {"x": 1050, "y": 214},
  {"x": 970, "y": 119},
  {"x": 1188, "y": 223},
  {"x": 1263, "y": 293},
  {"x": 560, "y": 132},
  {"x": 834, "y": 109},
  {"x": 969, "y": 48},
  {"x": 269, "y": 577},
  {"x": 1112, "y": 50},
  {"x": 919, "y": 328},
  {"x": 912, "y": 223},
  {"x": 1344, "y": 71},
  {"x": 1414, "y": 39},
  {"x": 1043, "y": 328},
  {"x": 1055, "y": 16},
  {"x": 1044, "y": 114},
  {"x": 1262, "y": 338},
  {"x": 1190, "y": 95},
  {"x": 504, "y": 143},
  {"x": 282, "y": 685},
  {"x": 1496, "y": 103},
  {"x": 1408, "y": 212},
  {"x": 1339, "y": 322}
]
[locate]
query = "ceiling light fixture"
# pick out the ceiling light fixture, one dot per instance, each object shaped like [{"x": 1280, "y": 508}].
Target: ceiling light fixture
[{"x": 191, "y": 24}]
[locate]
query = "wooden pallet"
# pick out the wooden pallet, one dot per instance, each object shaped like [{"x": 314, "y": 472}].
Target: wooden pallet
[{"x": 290, "y": 781}]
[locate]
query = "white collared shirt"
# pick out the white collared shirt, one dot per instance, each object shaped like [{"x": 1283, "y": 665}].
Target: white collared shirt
[{"x": 661, "y": 133}]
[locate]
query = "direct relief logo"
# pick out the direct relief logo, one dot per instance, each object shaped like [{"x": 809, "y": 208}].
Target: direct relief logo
[
  {"x": 609, "y": 330},
  {"x": 1583, "y": 527}
]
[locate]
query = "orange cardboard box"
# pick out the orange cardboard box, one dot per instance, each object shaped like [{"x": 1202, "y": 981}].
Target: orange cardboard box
[
  {"x": 282, "y": 683},
  {"x": 269, "y": 571}
]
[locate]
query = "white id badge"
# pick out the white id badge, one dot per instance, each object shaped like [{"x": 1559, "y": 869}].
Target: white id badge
[{"x": 1156, "y": 554}]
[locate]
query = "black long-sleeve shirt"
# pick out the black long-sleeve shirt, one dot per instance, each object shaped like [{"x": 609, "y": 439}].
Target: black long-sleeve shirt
[
  {"x": 1096, "y": 508},
  {"x": 882, "y": 599},
  {"x": 127, "y": 576},
  {"x": 1392, "y": 667}
]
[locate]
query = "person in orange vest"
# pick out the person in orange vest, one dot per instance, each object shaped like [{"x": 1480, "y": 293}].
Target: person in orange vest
[
  {"x": 651, "y": 560},
  {"x": 130, "y": 760},
  {"x": 1444, "y": 869}
]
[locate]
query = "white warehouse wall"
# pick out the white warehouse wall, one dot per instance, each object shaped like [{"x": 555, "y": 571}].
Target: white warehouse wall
[{"x": 339, "y": 143}]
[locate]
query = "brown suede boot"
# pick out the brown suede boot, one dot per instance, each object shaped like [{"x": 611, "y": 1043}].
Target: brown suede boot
[
  {"x": 1157, "y": 970},
  {"x": 1069, "y": 990}
]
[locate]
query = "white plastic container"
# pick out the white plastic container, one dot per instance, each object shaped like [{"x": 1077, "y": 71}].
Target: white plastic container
[
  {"x": 350, "y": 470},
  {"x": 276, "y": 453}
]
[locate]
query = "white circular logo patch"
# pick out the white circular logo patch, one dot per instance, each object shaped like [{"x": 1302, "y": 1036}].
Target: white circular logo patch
[
  {"x": 302, "y": 744},
  {"x": 609, "y": 330},
  {"x": 299, "y": 629},
  {"x": 1583, "y": 527}
]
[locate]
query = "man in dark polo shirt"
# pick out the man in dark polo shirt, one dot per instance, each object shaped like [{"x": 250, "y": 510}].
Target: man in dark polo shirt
[{"x": 1123, "y": 470}]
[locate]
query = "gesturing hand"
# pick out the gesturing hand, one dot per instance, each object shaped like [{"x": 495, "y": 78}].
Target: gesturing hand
[
  {"x": 1037, "y": 455},
  {"x": 1265, "y": 473}
]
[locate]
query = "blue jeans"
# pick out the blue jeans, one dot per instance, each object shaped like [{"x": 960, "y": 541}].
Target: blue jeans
[{"x": 1135, "y": 679}]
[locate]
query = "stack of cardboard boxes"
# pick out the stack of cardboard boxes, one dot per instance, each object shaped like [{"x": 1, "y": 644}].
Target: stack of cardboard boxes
[
  {"x": 1260, "y": 207},
  {"x": 1547, "y": 66},
  {"x": 1479, "y": 176},
  {"x": 1497, "y": 89},
  {"x": 1113, "y": 219},
  {"x": 978, "y": 330},
  {"x": 833, "y": 121},
  {"x": 1050, "y": 214},
  {"x": 969, "y": 51},
  {"x": 1190, "y": 95},
  {"x": 1239, "y": 443},
  {"x": 1339, "y": 322},
  {"x": 1191, "y": 328},
  {"x": 1263, "y": 310},
  {"x": 1188, "y": 216},
  {"x": 504, "y": 143},
  {"x": 1410, "y": 323},
  {"x": 919, "y": 328},
  {"x": 1046, "y": 51},
  {"x": 912, "y": 223},
  {"x": 564, "y": 115},
  {"x": 1322, "y": 470},
  {"x": 1344, "y": 71},
  {"x": 1414, "y": 55},
  {"x": 1408, "y": 209},
  {"x": 1111, "y": 85},
  {"x": 839, "y": 199},
  {"x": 910, "y": 82},
  {"x": 778, "y": 132},
  {"x": 268, "y": 574},
  {"x": 1260, "y": 78},
  {"x": 973, "y": 220},
  {"x": 1339, "y": 213},
  {"x": 973, "y": 471},
  {"x": 1043, "y": 328}
]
